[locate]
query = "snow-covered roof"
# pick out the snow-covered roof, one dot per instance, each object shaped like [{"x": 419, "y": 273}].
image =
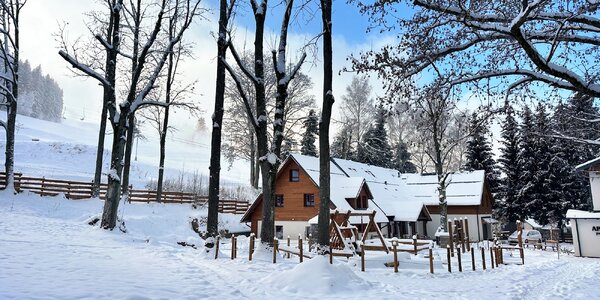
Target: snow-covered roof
[
  {"x": 580, "y": 214},
  {"x": 310, "y": 164},
  {"x": 463, "y": 189},
  {"x": 588, "y": 164}
]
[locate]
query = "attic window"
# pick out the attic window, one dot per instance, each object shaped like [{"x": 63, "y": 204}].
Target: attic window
[
  {"x": 294, "y": 175},
  {"x": 362, "y": 203}
]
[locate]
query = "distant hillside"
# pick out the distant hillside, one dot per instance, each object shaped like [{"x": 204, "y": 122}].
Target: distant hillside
[{"x": 40, "y": 96}]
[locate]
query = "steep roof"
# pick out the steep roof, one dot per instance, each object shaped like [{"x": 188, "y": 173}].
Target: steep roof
[
  {"x": 463, "y": 189},
  {"x": 588, "y": 164}
]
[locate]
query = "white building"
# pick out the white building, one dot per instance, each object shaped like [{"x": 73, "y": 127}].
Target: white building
[{"x": 586, "y": 225}]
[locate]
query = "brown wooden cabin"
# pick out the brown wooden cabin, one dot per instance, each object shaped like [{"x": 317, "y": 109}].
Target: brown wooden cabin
[{"x": 297, "y": 198}]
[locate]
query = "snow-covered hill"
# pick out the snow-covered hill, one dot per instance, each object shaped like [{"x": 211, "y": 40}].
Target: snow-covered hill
[{"x": 67, "y": 151}]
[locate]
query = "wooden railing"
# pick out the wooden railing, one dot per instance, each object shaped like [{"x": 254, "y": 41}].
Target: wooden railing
[{"x": 75, "y": 190}]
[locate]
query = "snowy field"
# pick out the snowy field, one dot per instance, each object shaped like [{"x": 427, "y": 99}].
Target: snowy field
[{"x": 48, "y": 251}]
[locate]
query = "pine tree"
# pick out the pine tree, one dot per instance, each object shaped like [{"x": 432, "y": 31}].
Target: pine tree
[
  {"x": 508, "y": 207},
  {"x": 540, "y": 204},
  {"x": 479, "y": 155},
  {"x": 342, "y": 144},
  {"x": 374, "y": 148},
  {"x": 526, "y": 164},
  {"x": 311, "y": 126},
  {"x": 402, "y": 161}
]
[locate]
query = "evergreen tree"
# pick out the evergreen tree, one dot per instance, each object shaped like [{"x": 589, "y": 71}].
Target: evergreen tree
[
  {"x": 479, "y": 155},
  {"x": 374, "y": 148},
  {"x": 311, "y": 126},
  {"x": 542, "y": 183},
  {"x": 508, "y": 207},
  {"x": 402, "y": 161},
  {"x": 287, "y": 147},
  {"x": 342, "y": 144},
  {"x": 526, "y": 164}
]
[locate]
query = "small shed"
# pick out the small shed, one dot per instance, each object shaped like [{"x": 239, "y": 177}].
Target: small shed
[{"x": 586, "y": 225}]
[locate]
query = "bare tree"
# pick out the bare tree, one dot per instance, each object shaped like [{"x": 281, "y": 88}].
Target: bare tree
[
  {"x": 9, "y": 80},
  {"x": 358, "y": 108},
  {"x": 328, "y": 100},
  {"x": 240, "y": 136},
  {"x": 269, "y": 155},
  {"x": 181, "y": 13},
  {"x": 512, "y": 43},
  {"x": 225, "y": 13}
]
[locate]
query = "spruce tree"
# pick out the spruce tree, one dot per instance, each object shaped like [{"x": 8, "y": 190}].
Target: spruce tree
[
  {"x": 508, "y": 207},
  {"x": 311, "y": 127},
  {"x": 402, "y": 161},
  {"x": 374, "y": 148},
  {"x": 342, "y": 144},
  {"x": 479, "y": 155},
  {"x": 542, "y": 183},
  {"x": 526, "y": 164}
]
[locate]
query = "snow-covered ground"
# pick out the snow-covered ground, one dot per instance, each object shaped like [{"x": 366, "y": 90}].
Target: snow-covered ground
[
  {"x": 48, "y": 251},
  {"x": 67, "y": 150}
]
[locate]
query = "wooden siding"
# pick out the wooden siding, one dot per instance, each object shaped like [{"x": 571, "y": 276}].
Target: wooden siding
[{"x": 484, "y": 208}]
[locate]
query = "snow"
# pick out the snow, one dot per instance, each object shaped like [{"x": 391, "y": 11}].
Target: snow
[
  {"x": 580, "y": 214},
  {"x": 49, "y": 251}
]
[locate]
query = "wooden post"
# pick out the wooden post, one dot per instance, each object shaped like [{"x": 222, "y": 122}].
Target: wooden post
[
  {"x": 450, "y": 240},
  {"x": 483, "y": 258},
  {"x": 362, "y": 258},
  {"x": 462, "y": 234},
  {"x": 449, "y": 261},
  {"x": 467, "y": 233},
  {"x": 288, "y": 244},
  {"x": 251, "y": 248},
  {"x": 217, "y": 247},
  {"x": 458, "y": 253},
  {"x": 330, "y": 255},
  {"x": 300, "y": 248},
  {"x": 473, "y": 258},
  {"x": 275, "y": 241},
  {"x": 430, "y": 260},
  {"x": 415, "y": 243},
  {"x": 232, "y": 246},
  {"x": 492, "y": 256},
  {"x": 395, "y": 244}
]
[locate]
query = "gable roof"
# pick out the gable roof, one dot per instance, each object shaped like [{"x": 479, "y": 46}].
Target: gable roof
[{"x": 588, "y": 164}]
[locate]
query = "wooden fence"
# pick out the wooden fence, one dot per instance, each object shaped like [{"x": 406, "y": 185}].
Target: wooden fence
[{"x": 75, "y": 190}]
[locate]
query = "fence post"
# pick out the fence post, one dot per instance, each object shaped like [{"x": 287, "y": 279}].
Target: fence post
[
  {"x": 362, "y": 258},
  {"x": 330, "y": 255},
  {"x": 217, "y": 248},
  {"x": 232, "y": 246},
  {"x": 42, "y": 186},
  {"x": 458, "y": 253},
  {"x": 449, "y": 261},
  {"x": 275, "y": 250},
  {"x": 462, "y": 235},
  {"x": 395, "y": 245},
  {"x": 430, "y": 260},
  {"x": 467, "y": 233},
  {"x": 415, "y": 244},
  {"x": 450, "y": 240},
  {"x": 288, "y": 244},
  {"x": 251, "y": 248},
  {"x": 492, "y": 256},
  {"x": 300, "y": 246},
  {"x": 483, "y": 257},
  {"x": 473, "y": 258}
]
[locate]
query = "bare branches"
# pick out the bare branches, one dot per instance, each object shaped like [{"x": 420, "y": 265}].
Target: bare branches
[
  {"x": 84, "y": 68},
  {"x": 242, "y": 93}
]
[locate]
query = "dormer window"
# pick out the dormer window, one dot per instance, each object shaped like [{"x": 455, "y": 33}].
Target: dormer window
[
  {"x": 294, "y": 175},
  {"x": 362, "y": 202}
]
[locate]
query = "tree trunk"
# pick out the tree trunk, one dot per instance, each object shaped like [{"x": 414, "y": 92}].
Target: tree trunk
[
  {"x": 254, "y": 165},
  {"x": 11, "y": 110},
  {"x": 113, "y": 193},
  {"x": 165, "y": 127},
  {"x": 128, "y": 150},
  {"x": 100, "y": 149},
  {"x": 215, "y": 148},
  {"x": 324, "y": 171},
  {"x": 439, "y": 170}
]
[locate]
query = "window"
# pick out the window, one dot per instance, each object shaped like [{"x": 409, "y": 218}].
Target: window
[
  {"x": 309, "y": 200},
  {"x": 278, "y": 200},
  {"x": 279, "y": 232},
  {"x": 294, "y": 175},
  {"x": 362, "y": 203}
]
